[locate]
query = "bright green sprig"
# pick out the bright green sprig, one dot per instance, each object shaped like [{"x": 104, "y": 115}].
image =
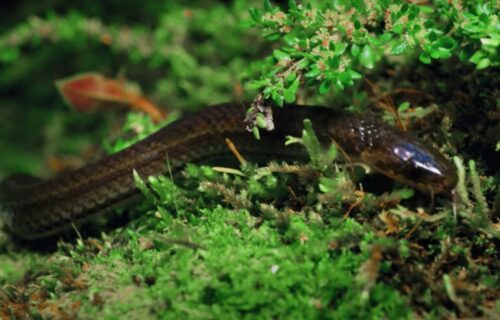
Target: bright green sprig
[
  {"x": 461, "y": 187},
  {"x": 478, "y": 212},
  {"x": 320, "y": 160},
  {"x": 477, "y": 192}
]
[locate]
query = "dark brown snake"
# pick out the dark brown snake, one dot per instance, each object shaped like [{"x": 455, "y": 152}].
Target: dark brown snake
[{"x": 33, "y": 208}]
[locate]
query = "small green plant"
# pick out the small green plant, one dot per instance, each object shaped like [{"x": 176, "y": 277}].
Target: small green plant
[{"x": 332, "y": 45}]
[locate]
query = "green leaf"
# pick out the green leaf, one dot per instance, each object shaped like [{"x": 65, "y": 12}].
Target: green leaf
[
  {"x": 279, "y": 100},
  {"x": 440, "y": 53},
  {"x": 280, "y": 55},
  {"x": 256, "y": 132},
  {"x": 424, "y": 58},
  {"x": 324, "y": 87},
  {"x": 357, "y": 25},
  {"x": 257, "y": 84},
  {"x": 413, "y": 13},
  {"x": 403, "y": 106},
  {"x": 491, "y": 42},
  {"x": 355, "y": 50},
  {"x": 355, "y": 75},
  {"x": 302, "y": 64},
  {"x": 386, "y": 37},
  {"x": 345, "y": 78},
  {"x": 429, "y": 24},
  {"x": 400, "y": 48},
  {"x": 290, "y": 93},
  {"x": 340, "y": 48},
  {"x": 375, "y": 41},
  {"x": 314, "y": 72},
  {"x": 260, "y": 121},
  {"x": 290, "y": 77},
  {"x": 432, "y": 36},
  {"x": 426, "y": 9},
  {"x": 274, "y": 94},
  {"x": 446, "y": 42},
  {"x": 267, "y": 5},
  {"x": 333, "y": 62},
  {"x": 477, "y": 56},
  {"x": 367, "y": 57},
  {"x": 288, "y": 49},
  {"x": 416, "y": 29},
  {"x": 291, "y": 39},
  {"x": 256, "y": 15},
  {"x": 404, "y": 8},
  {"x": 272, "y": 36},
  {"x": 327, "y": 184},
  {"x": 397, "y": 28},
  {"x": 484, "y": 63},
  {"x": 339, "y": 85}
]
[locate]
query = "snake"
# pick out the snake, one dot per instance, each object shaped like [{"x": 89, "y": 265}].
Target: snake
[{"x": 34, "y": 208}]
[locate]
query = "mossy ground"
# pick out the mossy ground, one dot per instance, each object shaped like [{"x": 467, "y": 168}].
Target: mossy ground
[
  {"x": 219, "y": 266},
  {"x": 211, "y": 249},
  {"x": 218, "y": 263}
]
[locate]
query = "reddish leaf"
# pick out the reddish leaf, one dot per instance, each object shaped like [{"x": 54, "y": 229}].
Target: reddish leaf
[{"x": 90, "y": 92}]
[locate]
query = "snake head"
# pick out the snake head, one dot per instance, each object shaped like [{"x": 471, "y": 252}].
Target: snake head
[{"x": 415, "y": 164}]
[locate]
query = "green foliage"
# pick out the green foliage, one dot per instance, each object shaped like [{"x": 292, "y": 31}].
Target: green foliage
[
  {"x": 319, "y": 160},
  {"x": 332, "y": 44},
  {"x": 478, "y": 212},
  {"x": 179, "y": 57},
  {"x": 167, "y": 48}
]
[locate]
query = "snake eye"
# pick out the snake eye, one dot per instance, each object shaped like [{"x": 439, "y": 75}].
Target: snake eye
[{"x": 426, "y": 168}]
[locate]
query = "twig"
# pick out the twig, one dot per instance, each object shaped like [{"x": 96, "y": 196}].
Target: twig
[{"x": 235, "y": 151}]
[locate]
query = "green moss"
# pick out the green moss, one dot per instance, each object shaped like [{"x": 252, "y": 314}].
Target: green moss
[{"x": 220, "y": 265}]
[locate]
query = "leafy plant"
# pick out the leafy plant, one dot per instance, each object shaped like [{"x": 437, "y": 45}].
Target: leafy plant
[{"x": 332, "y": 45}]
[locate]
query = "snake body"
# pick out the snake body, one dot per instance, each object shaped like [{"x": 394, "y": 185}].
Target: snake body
[{"x": 33, "y": 208}]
